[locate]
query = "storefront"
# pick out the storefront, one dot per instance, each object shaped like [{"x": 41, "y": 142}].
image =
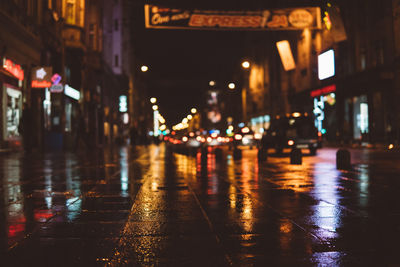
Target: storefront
[
  {"x": 356, "y": 114},
  {"x": 72, "y": 117},
  {"x": 11, "y": 99},
  {"x": 368, "y": 107}
]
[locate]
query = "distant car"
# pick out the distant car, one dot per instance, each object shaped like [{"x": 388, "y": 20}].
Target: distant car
[
  {"x": 245, "y": 137},
  {"x": 296, "y": 130}
]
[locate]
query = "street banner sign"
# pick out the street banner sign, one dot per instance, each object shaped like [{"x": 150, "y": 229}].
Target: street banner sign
[{"x": 275, "y": 19}]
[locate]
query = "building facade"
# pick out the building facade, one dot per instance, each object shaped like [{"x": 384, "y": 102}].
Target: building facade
[{"x": 358, "y": 102}]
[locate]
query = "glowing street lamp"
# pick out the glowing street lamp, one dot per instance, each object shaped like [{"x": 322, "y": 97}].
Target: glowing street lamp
[
  {"x": 189, "y": 117},
  {"x": 153, "y": 100},
  {"x": 231, "y": 86},
  {"x": 246, "y": 64},
  {"x": 155, "y": 107},
  {"x": 211, "y": 83},
  {"x": 144, "y": 68},
  {"x": 193, "y": 110}
]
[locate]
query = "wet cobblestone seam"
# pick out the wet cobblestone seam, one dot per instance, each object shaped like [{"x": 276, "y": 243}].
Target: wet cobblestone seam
[
  {"x": 210, "y": 225},
  {"x": 118, "y": 256}
]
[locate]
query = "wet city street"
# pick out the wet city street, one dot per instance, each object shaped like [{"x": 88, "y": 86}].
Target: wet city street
[{"x": 152, "y": 206}]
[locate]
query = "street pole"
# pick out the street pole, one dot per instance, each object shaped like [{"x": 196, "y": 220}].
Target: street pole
[{"x": 244, "y": 104}]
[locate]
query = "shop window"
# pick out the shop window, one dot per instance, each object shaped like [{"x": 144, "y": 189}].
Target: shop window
[
  {"x": 360, "y": 117},
  {"x": 13, "y": 112}
]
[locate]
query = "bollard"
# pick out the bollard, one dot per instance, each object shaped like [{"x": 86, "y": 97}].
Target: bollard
[
  {"x": 296, "y": 157},
  {"x": 237, "y": 153},
  {"x": 218, "y": 153},
  {"x": 343, "y": 161},
  {"x": 262, "y": 154}
]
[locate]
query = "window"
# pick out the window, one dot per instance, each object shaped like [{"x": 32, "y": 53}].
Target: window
[
  {"x": 116, "y": 25},
  {"x": 73, "y": 11},
  {"x": 70, "y": 12},
  {"x": 116, "y": 61}
]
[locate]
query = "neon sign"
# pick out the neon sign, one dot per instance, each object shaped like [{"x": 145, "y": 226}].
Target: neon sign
[
  {"x": 56, "y": 79},
  {"x": 323, "y": 91},
  {"x": 40, "y": 84},
  {"x": 71, "y": 92},
  {"x": 326, "y": 64},
  {"x": 13, "y": 68}
]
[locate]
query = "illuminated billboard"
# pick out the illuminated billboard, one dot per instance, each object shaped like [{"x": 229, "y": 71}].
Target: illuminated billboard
[
  {"x": 286, "y": 55},
  {"x": 326, "y": 65},
  {"x": 273, "y": 19}
]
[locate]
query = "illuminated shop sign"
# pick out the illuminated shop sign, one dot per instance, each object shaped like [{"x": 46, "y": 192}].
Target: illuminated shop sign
[
  {"x": 13, "y": 68},
  {"x": 286, "y": 55},
  {"x": 56, "y": 88},
  {"x": 323, "y": 91},
  {"x": 123, "y": 103},
  {"x": 56, "y": 79},
  {"x": 274, "y": 19},
  {"x": 326, "y": 65},
  {"x": 322, "y": 98},
  {"x": 41, "y": 77},
  {"x": 40, "y": 84},
  {"x": 71, "y": 92}
]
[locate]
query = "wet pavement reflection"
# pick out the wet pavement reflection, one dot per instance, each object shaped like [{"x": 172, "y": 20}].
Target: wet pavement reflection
[{"x": 154, "y": 206}]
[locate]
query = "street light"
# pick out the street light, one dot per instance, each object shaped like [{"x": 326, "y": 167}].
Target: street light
[
  {"x": 193, "y": 110},
  {"x": 246, "y": 64},
  {"x": 211, "y": 83},
  {"x": 153, "y": 100},
  {"x": 189, "y": 117},
  {"x": 144, "y": 68},
  {"x": 231, "y": 86},
  {"x": 155, "y": 107}
]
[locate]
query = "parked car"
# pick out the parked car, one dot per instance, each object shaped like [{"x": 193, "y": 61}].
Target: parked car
[{"x": 296, "y": 130}]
